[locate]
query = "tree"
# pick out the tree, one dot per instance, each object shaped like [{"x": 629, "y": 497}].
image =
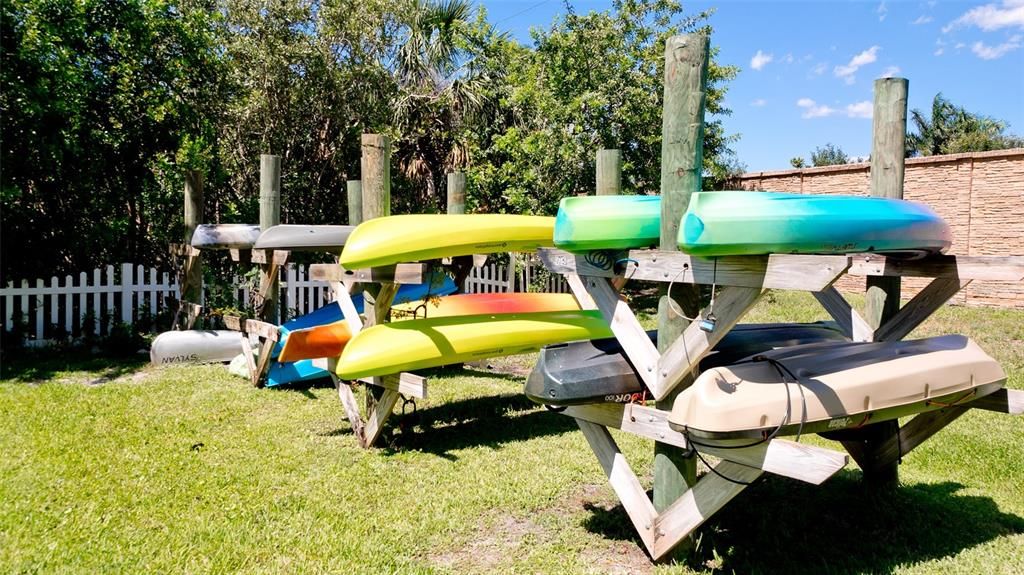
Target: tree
[
  {"x": 94, "y": 94},
  {"x": 797, "y": 162},
  {"x": 951, "y": 129},
  {"x": 591, "y": 81},
  {"x": 829, "y": 155}
]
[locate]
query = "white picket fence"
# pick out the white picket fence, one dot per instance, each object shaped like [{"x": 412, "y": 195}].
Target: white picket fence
[{"x": 126, "y": 292}]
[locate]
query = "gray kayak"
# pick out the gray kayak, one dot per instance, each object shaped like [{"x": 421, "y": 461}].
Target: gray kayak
[
  {"x": 598, "y": 371},
  {"x": 305, "y": 238},
  {"x": 225, "y": 236}
]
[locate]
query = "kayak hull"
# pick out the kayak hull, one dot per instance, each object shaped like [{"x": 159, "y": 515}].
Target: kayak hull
[
  {"x": 423, "y": 343},
  {"x": 329, "y": 239},
  {"x": 225, "y": 236},
  {"x": 599, "y": 371},
  {"x": 757, "y": 223},
  {"x": 588, "y": 223},
  {"x": 841, "y": 386},
  {"x": 195, "y": 346},
  {"x": 329, "y": 340},
  {"x": 397, "y": 239}
]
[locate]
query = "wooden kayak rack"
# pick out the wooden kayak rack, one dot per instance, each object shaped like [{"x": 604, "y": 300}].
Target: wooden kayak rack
[
  {"x": 742, "y": 281},
  {"x": 378, "y": 286}
]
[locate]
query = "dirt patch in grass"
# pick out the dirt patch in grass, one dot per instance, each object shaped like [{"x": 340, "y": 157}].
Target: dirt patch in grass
[{"x": 497, "y": 540}]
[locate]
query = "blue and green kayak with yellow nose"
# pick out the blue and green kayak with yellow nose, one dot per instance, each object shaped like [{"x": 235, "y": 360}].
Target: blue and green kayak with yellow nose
[{"x": 755, "y": 223}]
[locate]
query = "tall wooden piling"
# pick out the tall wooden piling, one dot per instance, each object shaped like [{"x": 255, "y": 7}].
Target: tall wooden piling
[
  {"x": 456, "y": 193},
  {"x": 888, "y": 141},
  {"x": 192, "y": 288},
  {"x": 609, "y": 172},
  {"x": 355, "y": 202},
  {"x": 270, "y": 215},
  {"x": 376, "y": 176},
  {"x": 682, "y": 139}
]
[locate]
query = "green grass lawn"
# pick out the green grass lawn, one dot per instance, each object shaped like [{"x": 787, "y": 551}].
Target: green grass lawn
[{"x": 113, "y": 466}]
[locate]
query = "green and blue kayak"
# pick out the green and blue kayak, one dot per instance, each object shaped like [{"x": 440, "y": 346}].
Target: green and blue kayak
[
  {"x": 754, "y": 223},
  {"x": 588, "y": 223}
]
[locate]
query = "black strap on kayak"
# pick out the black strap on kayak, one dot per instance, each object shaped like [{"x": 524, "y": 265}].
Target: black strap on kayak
[{"x": 783, "y": 371}]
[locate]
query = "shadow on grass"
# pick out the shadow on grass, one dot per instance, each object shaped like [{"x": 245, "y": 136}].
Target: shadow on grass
[
  {"x": 481, "y": 421},
  {"x": 784, "y": 526},
  {"x": 40, "y": 366}
]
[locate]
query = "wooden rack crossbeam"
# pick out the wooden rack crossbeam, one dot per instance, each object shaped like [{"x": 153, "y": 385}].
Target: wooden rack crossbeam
[
  {"x": 595, "y": 281},
  {"x": 414, "y": 274}
]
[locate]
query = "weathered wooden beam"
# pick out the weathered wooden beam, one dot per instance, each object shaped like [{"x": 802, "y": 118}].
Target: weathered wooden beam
[
  {"x": 406, "y": 273},
  {"x": 354, "y": 193},
  {"x": 777, "y": 271},
  {"x": 192, "y": 280},
  {"x": 919, "y": 308},
  {"x": 609, "y": 172},
  {"x": 184, "y": 250},
  {"x": 274, "y": 257},
  {"x": 786, "y": 458},
  {"x": 263, "y": 329},
  {"x": 234, "y": 323},
  {"x": 456, "y": 193},
  {"x": 623, "y": 481},
  {"x": 381, "y": 411},
  {"x": 889, "y": 450},
  {"x": 851, "y": 322},
  {"x": 700, "y": 502},
  {"x": 597, "y": 293},
  {"x": 242, "y": 256},
  {"x": 351, "y": 407},
  {"x": 270, "y": 215},
  {"x": 680, "y": 359},
  {"x": 991, "y": 268},
  {"x": 1009, "y": 401},
  {"x": 408, "y": 384}
]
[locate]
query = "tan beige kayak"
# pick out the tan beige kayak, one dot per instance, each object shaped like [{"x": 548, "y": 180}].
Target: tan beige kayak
[{"x": 840, "y": 386}]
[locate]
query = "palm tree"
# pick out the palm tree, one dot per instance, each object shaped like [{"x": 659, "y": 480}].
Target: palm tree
[
  {"x": 951, "y": 129},
  {"x": 440, "y": 92}
]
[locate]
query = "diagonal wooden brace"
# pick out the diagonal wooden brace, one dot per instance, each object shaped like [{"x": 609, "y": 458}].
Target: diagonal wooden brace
[{"x": 686, "y": 352}]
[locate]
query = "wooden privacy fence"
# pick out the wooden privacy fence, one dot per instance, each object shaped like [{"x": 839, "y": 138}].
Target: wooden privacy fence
[{"x": 57, "y": 309}]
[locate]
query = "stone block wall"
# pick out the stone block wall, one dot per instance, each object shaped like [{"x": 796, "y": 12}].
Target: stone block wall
[{"x": 981, "y": 195}]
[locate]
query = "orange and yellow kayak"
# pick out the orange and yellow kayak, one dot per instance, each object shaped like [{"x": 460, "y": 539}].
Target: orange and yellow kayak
[{"x": 329, "y": 340}]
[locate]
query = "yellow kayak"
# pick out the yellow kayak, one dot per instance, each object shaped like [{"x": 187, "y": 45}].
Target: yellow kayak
[
  {"x": 417, "y": 344},
  {"x": 397, "y": 239},
  {"x": 330, "y": 339}
]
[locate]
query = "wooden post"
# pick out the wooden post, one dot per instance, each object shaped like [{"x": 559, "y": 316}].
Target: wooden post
[
  {"x": 456, "y": 193},
  {"x": 355, "y": 202},
  {"x": 376, "y": 184},
  {"x": 609, "y": 172},
  {"x": 376, "y": 176},
  {"x": 192, "y": 288},
  {"x": 270, "y": 215},
  {"x": 888, "y": 138},
  {"x": 682, "y": 139}
]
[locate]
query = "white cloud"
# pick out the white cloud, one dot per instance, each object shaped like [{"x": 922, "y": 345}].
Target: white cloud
[
  {"x": 939, "y": 51},
  {"x": 1007, "y": 14},
  {"x": 922, "y": 20},
  {"x": 890, "y": 72},
  {"x": 813, "y": 110},
  {"x": 882, "y": 11},
  {"x": 992, "y": 52},
  {"x": 820, "y": 69},
  {"x": 960, "y": 45},
  {"x": 760, "y": 102},
  {"x": 859, "y": 110},
  {"x": 788, "y": 59},
  {"x": 864, "y": 58},
  {"x": 760, "y": 60}
]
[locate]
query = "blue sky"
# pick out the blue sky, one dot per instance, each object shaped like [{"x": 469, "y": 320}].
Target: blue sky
[{"x": 807, "y": 68}]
